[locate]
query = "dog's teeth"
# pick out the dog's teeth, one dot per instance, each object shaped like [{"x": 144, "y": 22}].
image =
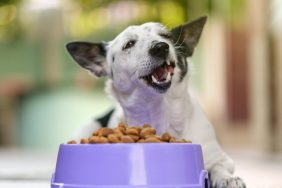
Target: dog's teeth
[
  {"x": 154, "y": 79},
  {"x": 168, "y": 77}
]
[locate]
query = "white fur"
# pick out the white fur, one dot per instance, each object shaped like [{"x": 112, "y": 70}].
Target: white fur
[{"x": 176, "y": 111}]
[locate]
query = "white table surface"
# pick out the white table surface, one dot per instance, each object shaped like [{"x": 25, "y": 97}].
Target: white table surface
[
  {"x": 26, "y": 169},
  {"x": 29, "y": 169}
]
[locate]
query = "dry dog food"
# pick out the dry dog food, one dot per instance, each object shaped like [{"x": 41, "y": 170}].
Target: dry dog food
[{"x": 132, "y": 134}]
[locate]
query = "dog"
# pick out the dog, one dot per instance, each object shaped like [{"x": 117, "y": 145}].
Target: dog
[{"x": 147, "y": 67}]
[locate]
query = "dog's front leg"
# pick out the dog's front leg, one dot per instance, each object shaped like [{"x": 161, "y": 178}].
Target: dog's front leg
[
  {"x": 219, "y": 165},
  {"x": 221, "y": 168},
  {"x": 222, "y": 178}
]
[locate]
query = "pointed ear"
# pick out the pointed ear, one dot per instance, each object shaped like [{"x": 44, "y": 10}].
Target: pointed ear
[
  {"x": 187, "y": 35},
  {"x": 91, "y": 56}
]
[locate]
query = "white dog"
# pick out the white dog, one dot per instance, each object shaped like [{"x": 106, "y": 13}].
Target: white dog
[{"x": 147, "y": 68}]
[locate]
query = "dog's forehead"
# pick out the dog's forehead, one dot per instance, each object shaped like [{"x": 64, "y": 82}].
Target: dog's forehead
[
  {"x": 146, "y": 28},
  {"x": 137, "y": 32},
  {"x": 152, "y": 27}
]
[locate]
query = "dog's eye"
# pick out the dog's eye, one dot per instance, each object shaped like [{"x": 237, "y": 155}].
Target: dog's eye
[
  {"x": 166, "y": 36},
  {"x": 129, "y": 44}
]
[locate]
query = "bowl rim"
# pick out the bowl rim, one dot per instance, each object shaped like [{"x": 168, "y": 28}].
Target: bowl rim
[{"x": 129, "y": 144}]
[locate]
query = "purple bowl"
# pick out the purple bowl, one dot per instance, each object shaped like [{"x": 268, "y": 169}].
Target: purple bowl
[{"x": 152, "y": 165}]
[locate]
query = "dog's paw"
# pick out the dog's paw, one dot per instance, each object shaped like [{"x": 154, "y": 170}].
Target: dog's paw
[{"x": 231, "y": 182}]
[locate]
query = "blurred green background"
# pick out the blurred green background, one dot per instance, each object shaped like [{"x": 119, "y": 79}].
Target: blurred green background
[{"x": 45, "y": 96}]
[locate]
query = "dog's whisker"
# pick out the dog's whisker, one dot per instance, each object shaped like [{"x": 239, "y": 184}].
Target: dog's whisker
[
  {"x": 178, "y": 36},
  {"x": 182, "y": 42},
  {"x": 178, "y": 47}
]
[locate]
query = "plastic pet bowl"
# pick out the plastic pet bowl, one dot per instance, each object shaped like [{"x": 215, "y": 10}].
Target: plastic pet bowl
[{"x": 147, "y": 165}]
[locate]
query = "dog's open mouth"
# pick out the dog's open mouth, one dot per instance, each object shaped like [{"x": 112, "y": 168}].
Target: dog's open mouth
[{"x": 160, "y": 78}]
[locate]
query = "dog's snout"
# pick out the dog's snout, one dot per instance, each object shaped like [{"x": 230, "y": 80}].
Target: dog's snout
[{"x": 159, "y": 49}]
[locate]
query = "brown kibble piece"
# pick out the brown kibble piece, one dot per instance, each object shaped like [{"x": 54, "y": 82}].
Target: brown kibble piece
[
  {"x": 84, "y": 141},
  {"x": 158, "y": 137},
  {"x": 118, "y": 135},
  {"x": 122, "y": 128},
  {"x": 147, "y": 131},
  {"x": 103, "y": 140},
  {"x": 189, "y": 141},
  {"x": 185, "y": 141},
  {"x": 166, "y": 137},
  {"x": 126, "y": 139},
  {"x": 152, "y": 139},
  {"x": 141, "y": 140},
  {"x": 134, "y": 137},
  {"x": 121, "y": 125},
  {"x": 72, "y": 142},
  {"x": 98, "y": 140},
  {"x": 113, "y": 138},
  {"x": 179, "y": 141},
  {"x": 139, "y": 129},
  {"x": 172, "y": 139},
  {"x": 146, "y": 126},
  {"x": 94, "y": 139},
  {"x": 131, "y": 131},
  {"x": 153, "y": 136},
  {"x": 95, "y": 133},
  {"x": 117, "y": 131},
  {"x": 105, "y": 131}
]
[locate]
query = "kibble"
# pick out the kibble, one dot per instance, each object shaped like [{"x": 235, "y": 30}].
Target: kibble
[
  {"x": 166, "y": 137},
  {"x": 105, "y": 132},
  {"x": 114, "y": 138},
  {"x": 147, "y": 131},
  {"x": 152, "y": 139},
  {"x": 126, "y": 139},
  {"x": 84, "y": 141},
  {"x": 134, "y": 137},
  {"x": 172, "y": 139},
  {"x": 72, "y": 142},
  {"x": 131, "y": 131},
  {"x": 132, "y": 134}
]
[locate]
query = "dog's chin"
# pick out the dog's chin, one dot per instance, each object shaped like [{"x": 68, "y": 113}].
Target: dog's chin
[{"x": 160, "y": 77}]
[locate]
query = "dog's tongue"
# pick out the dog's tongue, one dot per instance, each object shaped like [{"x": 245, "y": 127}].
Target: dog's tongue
[{"x": 160, "y": 73}]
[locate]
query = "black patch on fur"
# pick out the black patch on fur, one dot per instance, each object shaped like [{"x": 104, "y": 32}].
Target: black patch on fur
[
  {"x": 102, "y": 50},
  {"x": 206, "y": 183},
  {"x": 182, "y": 51},
  {"x": 113, "y": 58},
  {"x": 104, "y": 120},
  {"x": 183, "y": 67}
]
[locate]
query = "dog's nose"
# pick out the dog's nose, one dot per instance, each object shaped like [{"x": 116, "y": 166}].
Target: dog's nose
[{"x": 159, "y": 49}]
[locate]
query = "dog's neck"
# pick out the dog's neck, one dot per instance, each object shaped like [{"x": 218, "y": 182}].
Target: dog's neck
[{"x": 160, "y": 110}]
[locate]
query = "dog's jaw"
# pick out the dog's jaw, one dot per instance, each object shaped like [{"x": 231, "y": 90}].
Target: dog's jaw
[
  {"x": 160, "y": 78},
  {"x": 145, "y": 105}
]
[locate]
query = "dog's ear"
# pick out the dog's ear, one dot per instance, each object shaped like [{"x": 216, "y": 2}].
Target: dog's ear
[
  {"x": 91, "y": 56},
  {"x": 188, "y": 35}
]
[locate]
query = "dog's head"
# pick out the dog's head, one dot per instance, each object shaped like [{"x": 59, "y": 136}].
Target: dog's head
[{"x": 148, "y": 55}]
